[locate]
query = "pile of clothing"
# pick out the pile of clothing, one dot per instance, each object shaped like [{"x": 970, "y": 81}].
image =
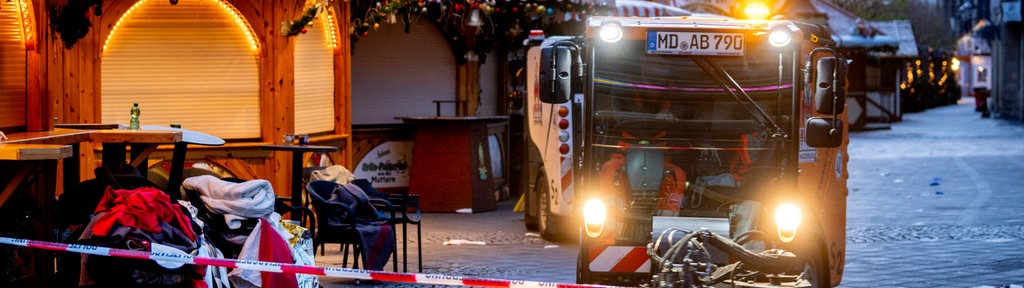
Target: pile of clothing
[
  {"x": 128, "y": 212},
  {"x": 219, "y": 219},
  {"x": 239, "y": 222}
]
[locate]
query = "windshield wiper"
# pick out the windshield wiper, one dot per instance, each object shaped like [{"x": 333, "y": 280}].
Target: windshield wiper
[{"x": 717, "y": 73}]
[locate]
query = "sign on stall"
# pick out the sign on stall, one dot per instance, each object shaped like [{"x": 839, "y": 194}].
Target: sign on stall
[{"x": 387, "y": 165}]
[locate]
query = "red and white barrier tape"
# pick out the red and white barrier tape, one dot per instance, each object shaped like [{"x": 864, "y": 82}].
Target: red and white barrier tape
[{"x": 435, "y": 279}]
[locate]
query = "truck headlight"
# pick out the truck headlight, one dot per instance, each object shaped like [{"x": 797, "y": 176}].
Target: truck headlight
[
  {"x": 594, "y": 214},
  {"x": 780, "y": 36},
  {"x": 787, "y": 218},
  {"x": 611, "y": 32}
]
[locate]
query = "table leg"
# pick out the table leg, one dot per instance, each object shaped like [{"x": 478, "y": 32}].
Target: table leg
[
  {"x": 72, "y": 170},
  {"x": 177, "y": 170},
  {"x": 136, "y": 152},
  {"x": 297, "y": 202}
]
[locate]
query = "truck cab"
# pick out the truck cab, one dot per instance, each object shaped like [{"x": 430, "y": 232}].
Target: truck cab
[{"x": 692, "y": 151}]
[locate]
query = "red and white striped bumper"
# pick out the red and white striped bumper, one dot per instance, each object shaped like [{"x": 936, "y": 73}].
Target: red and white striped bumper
[{"x": 619, "y": 259}]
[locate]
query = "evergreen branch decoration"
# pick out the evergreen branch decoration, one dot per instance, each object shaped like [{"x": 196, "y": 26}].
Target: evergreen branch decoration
[
  {"x": 298, "y": 26},
  {"x": 68, "y": 20},
  {"x": 502, "y": 22}
]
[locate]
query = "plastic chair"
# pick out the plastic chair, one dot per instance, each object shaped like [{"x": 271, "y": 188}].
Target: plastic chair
[
  {"x": 402, "y": 203},
  {"x": 338, "y": 220}
]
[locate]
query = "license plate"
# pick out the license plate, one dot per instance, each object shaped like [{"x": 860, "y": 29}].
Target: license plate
[{"x": 695, "y": 43}]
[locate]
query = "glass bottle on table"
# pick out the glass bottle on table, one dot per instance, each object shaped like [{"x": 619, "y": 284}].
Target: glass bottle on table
[{"x": 133, "y": 124}]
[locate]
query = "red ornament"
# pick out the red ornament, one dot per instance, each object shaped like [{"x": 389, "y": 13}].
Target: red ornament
[
  {"x": 366, "y": 33},
  {"x": 303, "y": 31},
  {"x": 458, "y": 7}
]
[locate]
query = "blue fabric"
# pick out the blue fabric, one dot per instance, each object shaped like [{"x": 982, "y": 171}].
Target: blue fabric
[{"x": 377, "y": 237}]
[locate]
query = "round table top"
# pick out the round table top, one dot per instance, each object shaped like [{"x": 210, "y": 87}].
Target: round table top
[{"x": 190, "y": 136}]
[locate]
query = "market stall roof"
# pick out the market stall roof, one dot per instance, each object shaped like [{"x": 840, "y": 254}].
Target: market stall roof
[
  {"x": 869, "y": 43},
  {"x": 850, "y": 32},
  {"x": 641, "y": 8},
  {"x": 903, "y": 32}
]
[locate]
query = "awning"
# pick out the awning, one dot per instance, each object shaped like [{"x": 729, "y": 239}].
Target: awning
[
  {"x": 879, "y": 43},
  {"x": 638, "y": 8},
  {"x": 628, "y": 8}
]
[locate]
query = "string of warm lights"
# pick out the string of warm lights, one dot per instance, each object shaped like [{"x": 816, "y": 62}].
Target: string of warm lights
[
  {"x": 254, "y": 43},
  {"x": 240, "y": 21},
  {"x": 448, "y": 14},
  {"x": 317, "y": 9},
  {"x": 299, "y": 26},
  {"x": 330, "y": 29},
  {"x": 117, "y": 25},
  {"x": 27, "y": 31},
  {"x": 474, "y": 25}
]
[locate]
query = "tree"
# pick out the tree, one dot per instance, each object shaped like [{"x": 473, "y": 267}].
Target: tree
[{"x": 922, "y": 15}]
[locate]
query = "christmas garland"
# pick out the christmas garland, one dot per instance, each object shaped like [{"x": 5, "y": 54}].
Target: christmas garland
[
  {"x": 468, "y": 25},
  {"x": 297, "y": 26},
  {"x": 68, "y": 20},
  {"x": 508, "y": 17}
]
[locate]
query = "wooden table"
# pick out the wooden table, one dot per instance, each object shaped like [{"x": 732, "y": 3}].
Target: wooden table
[
  {"x": 142, "y": 142},
  {"x": 29, "y": 183},
  {"x": 178, "y": 156},
  {"x": 297, "y": 153},
  {"x": 57, "y": 136}
]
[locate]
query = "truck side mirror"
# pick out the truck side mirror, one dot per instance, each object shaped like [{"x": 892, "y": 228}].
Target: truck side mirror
[
  {"x": 824, "y": 132},
  {"x": 831, "y": 77},
  {"x": 556, "y": 74}
]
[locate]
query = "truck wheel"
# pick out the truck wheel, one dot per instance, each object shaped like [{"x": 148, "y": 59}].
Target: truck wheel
[
  {"x": 533, "y": 199},
  {"x": 548, "y": 225},
  {"x": 815, "y": 269},
  {"x": 528, "y": 217}
]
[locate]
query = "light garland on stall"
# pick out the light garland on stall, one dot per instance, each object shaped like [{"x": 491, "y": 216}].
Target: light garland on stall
[
  {"x": 300, "y": 26},
  {"x": 485, "y": 21}
]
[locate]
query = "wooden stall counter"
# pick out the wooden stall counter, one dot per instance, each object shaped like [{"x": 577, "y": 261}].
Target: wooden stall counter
[
  {"x": 31, "y": 164},
  {"x": 136, "y": 136},
  {"x": 30, "y": 178},
  {"x": 34, "y": 151},
  {"x": 451, "y": 164}
]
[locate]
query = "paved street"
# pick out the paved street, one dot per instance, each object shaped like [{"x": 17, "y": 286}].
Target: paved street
[
  {"x": 508, "y": 251},
  {"x": 935, "y": 201}
]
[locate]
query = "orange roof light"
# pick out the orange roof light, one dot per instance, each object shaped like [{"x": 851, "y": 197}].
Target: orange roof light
[{"x": 756, "y": 11}]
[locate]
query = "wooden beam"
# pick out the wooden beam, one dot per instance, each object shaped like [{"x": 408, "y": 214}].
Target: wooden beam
[
  {"x": 34, "y": 152},
  {"x": 136, "y": 136}
]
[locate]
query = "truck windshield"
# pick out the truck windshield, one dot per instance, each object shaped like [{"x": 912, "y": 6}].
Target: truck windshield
[{"x": 670, "y": 140}]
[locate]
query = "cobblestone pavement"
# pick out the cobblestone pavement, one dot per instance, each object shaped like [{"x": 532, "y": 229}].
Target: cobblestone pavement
[
  {"x": 936, "y": 202},
  {"x": 508, "y": 252}
]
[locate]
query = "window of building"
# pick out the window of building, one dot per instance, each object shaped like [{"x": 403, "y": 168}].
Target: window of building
[
  {"x": 314, "y": 77},
  {"x": 13, "y": 91},
  {"x": 193, "y": 63}
]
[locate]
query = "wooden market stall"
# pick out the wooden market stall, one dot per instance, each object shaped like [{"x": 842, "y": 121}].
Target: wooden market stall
[
  {"x": 230, "y": 72},
  {"x": 245, "y": 71}
]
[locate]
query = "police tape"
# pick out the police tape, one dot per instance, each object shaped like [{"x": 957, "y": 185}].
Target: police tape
[{"x": 184, "y": 258}]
